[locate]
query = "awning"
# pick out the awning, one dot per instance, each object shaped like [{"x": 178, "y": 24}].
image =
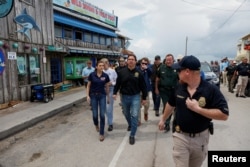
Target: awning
[
  {"x": 74, "y": 22},
  {"x": 93, "y": 51}
]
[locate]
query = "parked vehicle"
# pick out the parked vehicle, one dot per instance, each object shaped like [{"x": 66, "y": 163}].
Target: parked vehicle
[{"x": 210, "y": 76}]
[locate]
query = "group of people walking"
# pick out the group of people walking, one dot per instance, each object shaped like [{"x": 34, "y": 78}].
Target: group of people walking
[
  {"x": 233, "y": 75},
  {"x": 193, "y": 101}
]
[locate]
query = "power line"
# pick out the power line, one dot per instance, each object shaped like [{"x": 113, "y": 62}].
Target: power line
[
  {"x": 203, "y": 5},
  {"x": 228, "y": 18}
]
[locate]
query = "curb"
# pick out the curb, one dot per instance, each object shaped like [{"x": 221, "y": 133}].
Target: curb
[{"x": 24, "y": 125}]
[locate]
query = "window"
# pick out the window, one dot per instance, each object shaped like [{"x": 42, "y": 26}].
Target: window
[
  {"x": 95, "y": 38},
  {"x": 108, "y": 40},
  {"x": 28, "y": 67},
  {"x": 68, "y": 33},
  {"x": 58, "y": 31},
  {"x": 119, "y": 43},
  {"x": 87, "y": 37},
  {"x": 102, "y": 40},
  {"x": 78, "y": 35}
]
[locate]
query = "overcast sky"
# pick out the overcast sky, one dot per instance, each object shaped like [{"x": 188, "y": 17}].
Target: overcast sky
[{"x": 157, "y": 27}]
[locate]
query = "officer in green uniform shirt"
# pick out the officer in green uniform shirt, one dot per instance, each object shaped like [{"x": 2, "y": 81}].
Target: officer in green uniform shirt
[{"x": 166, "y": 80}]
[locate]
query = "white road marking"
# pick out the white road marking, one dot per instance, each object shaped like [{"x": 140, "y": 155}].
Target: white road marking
[{"x": 119, "y": 151}]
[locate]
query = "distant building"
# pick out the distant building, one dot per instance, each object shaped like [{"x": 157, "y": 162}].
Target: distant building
[
  {"x": 243, "y": 48},
  {"x": 50, "y": 42}
]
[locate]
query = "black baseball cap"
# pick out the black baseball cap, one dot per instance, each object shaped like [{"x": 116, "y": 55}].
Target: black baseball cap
[
  {"x": 157, "y": 57},
  {"x": 191, "y": 62}
]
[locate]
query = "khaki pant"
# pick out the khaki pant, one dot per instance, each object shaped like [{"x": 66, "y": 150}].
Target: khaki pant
[
  {"x": 145, "y": 108},
  {"x": 241, "y": 85},
  {"x": 224, "y": 77},
  {"x": 190, "y": 151}
]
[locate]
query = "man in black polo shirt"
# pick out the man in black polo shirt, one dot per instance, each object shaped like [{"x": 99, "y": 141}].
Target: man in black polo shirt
[
  {"x": 131, "y": 83},
  {"x": 196, "y": 103}
]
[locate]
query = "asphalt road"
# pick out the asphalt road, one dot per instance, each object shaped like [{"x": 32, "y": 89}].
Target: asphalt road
[{"x": 70, "y": 140}]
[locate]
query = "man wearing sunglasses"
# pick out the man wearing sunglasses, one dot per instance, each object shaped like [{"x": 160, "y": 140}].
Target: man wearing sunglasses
[{"x": 146, "y": 72}]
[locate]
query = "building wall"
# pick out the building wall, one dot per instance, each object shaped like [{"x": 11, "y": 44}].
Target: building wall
[
  {"x": 46, "y": 46},
  {"x": 42, "y": 13},
  {"x": 243, "y": 48}
]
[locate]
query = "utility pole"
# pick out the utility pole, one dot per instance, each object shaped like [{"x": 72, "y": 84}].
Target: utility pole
[{"x": 186, "y": 46}]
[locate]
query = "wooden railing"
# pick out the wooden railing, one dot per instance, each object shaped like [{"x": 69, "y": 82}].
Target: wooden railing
[{"x": 79, "y": 43}]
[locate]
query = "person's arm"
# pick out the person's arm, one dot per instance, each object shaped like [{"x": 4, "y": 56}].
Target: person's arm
[
  {"x": 87, "y": 91},
  {"x": 167, "y": 112},
  {"x": 107, "y": 91},
  {"x": 117, "y": 85},
  {"x": 157, "y": 80}
]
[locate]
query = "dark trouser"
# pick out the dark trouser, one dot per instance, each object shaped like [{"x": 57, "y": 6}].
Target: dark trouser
[
  {"x": 156, "y": 98},
  {"x": 98, "y": 102},
  {"x": 167, "y": 123},
  {"x": 231, "y": 81},
  {"x": 165, "y": 93}
]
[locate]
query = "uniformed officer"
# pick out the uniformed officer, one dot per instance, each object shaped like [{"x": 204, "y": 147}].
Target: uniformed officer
[
  {"x": 230, "y": 73},
  {"x": 196, "y": 103},
  {"x": 165, "y": 83},
  {"x": 242, "y": 70}
]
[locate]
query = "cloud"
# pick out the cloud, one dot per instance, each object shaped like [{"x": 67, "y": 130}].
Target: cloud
[{"x": 159, "y": 27}]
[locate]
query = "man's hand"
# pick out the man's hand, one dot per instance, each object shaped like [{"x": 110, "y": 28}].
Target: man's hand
[
  {"x": 88, "y": 99},
  {"x": 161, "y": 125},
  {"x": 192, "y": 104},
  {"x": 114, "y": 96}
]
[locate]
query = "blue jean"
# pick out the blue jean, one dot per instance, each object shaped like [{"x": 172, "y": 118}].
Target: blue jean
[
  {"x": 110, "y": 106},
  {"x": 98, "y": 100},
  {"x": 131, "y": 105},
  {"x": 156, "y": 98}
]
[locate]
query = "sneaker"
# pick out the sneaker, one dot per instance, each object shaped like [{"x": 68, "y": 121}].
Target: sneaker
[
  {"x": 110, "y": 128},
  {"x": 101, "y": 137},
  {"x": 129, "y": 128},
  {"x": 243, "y": 96},
  {"x": 131, "y": 140},
  {"x": 97, "y": 128},
  {"x": 237, "y": 95}
]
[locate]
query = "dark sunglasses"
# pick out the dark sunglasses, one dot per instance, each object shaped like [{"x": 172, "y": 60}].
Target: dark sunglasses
[{"x": 145, "y": 63}]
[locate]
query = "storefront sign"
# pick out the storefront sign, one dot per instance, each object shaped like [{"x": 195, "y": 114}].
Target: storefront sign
[
  {"x": 12, "y": 55},
  {"x": 88, "y": 9},
  {"x": 5, "y": 7},
  {"x": 2, "y": 61}
]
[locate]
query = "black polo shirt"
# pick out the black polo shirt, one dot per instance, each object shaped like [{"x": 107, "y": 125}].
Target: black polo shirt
[
  {"x": 243, "y": 69},
  {"x": 208, "y": 96},
  {"x": 131, "y": 82}
]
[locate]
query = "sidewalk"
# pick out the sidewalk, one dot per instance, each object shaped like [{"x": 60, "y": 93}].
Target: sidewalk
[{"x": 31, "y": 113}]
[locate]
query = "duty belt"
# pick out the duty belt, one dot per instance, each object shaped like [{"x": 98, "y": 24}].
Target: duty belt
[{"x": 178, "y": 130}]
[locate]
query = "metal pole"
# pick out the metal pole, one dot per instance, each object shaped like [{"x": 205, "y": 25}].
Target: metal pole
[{"x": 186, "y": 46}]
